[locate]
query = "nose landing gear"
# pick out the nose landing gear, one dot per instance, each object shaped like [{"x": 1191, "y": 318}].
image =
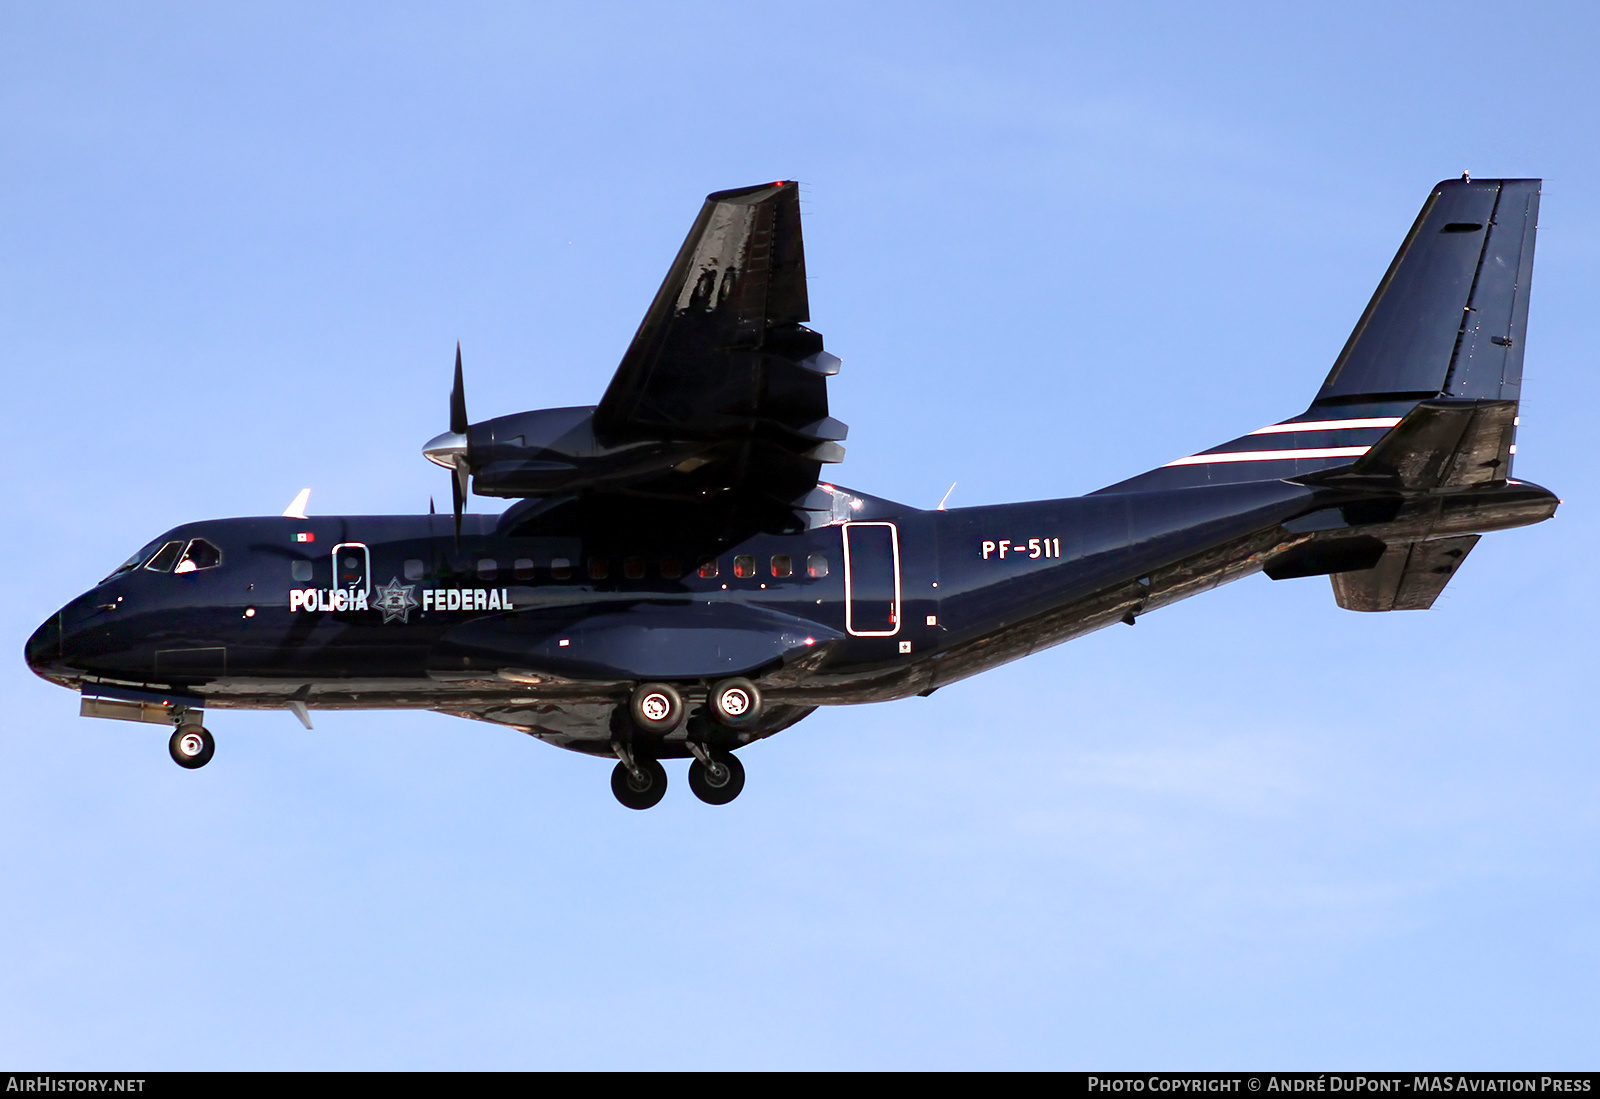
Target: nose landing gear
[{"x": 191, "y": 746}]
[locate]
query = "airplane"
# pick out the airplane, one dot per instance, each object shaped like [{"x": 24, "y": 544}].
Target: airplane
[{"x": 677, "y": 580}]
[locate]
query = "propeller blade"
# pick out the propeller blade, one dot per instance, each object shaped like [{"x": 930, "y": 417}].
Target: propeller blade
[
  {"x": 458, "y": 490},
  {"x": 458, "y": 400}
]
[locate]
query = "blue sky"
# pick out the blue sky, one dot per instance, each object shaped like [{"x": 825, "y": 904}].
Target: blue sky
[{"x": 237, "y": 247}]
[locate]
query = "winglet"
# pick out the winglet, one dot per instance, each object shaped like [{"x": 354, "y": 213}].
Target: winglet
[{"x": 297, "y": 506}]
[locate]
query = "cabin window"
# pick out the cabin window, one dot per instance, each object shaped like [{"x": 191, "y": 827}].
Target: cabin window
[
  {"x": 200, "y": 555},
  {"x": 817, "y": 566},
  {"x": 488, "y": 568},
  {"x": 782, "y": 565},
  {"x": 633, "y": 568},
  {"x": 744, "y": 566},
  {"x": 671, "y": 568},
  {"x": 561, "y": 568},
  {"x": 598, "y": 568},
  {"x": 523, "y": 569},
  {"x": 414, "y": 569},
  {"x": 164, "y": 557},
  {"x": 300, "y": 571},
  {"x": 708, "y": 569}
]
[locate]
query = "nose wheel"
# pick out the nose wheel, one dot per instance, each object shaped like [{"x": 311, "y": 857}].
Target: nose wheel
[{"x": 191, "y": 747}]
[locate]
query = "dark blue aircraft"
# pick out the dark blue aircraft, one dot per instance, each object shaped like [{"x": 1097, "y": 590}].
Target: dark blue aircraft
[{"x": 676, "y": 580}]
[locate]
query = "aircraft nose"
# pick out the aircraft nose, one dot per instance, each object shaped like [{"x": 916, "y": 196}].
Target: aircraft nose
[{"x": 43, "y": 651}]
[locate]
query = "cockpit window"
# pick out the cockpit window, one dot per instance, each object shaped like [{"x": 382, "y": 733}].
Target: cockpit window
[
  {"x": 200, "y": 555},
  {"x": 127, "y": 566},
  {"x": 164, "y": 557}
]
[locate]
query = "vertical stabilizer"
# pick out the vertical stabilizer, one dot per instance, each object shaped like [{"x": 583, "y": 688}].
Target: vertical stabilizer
[
  {"x": 1449, "y": 317},
  {"x": 1447, "y": 322}
]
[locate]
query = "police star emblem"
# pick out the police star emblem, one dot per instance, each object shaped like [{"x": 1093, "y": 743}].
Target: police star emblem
[{"x": 395, "y": 600}]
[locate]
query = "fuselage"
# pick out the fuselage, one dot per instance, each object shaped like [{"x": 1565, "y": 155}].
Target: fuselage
[{"x": 872, "y": 601}]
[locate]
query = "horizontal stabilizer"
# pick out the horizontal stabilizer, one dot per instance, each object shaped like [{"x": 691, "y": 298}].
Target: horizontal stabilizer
[
  {"x": 1359, "y": 553},
  {"x": 1409, "y": 576},
  {"x": 1445, "y": 444}
]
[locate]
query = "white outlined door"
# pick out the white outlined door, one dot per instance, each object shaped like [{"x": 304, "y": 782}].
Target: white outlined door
[
  {"x": 351, "y": 567},
  {"x": 871, "y": 579}
]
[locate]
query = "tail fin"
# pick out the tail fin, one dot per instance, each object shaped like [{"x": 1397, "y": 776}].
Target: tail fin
[
  {"x": 1447, "y": 321},
  {"x": 1449, "y": 316}
]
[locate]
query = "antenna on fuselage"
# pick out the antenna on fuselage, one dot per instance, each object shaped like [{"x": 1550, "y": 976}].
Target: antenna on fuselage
[
  {"x": 297, "y": 506},
  {"x": 947, "y": 493}
]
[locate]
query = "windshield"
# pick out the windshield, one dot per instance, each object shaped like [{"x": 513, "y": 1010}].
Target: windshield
[
  {"x": 131, "y": 563},
  {"x": 200, "y": 555}
]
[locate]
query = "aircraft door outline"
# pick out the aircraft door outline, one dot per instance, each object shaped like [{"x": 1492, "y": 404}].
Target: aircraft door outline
[
  {"x": 356, "y": 576},
  {"x": 857, "y": 567}
]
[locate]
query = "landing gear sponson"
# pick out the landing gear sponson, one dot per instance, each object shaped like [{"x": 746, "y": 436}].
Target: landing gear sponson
[{"x": 655, "y": 709}]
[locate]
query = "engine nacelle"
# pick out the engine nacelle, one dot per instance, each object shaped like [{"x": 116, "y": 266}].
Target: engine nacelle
[{"x": 554, "y": 450}]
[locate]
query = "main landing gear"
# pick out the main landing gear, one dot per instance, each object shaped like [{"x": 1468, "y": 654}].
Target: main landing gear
[
  {"x": 655, "y": 709},
  {"x": 191, "y": 747},
  {"x": 735, "y": 702},
  {"x": 715, "y": 777},
  {"x": 637, "y": 783}
]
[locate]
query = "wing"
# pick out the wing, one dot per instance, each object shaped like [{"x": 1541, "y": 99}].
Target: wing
[{"x": 723, "y": 357}]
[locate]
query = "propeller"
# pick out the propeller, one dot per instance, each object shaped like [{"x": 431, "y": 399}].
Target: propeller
[{"x": 450, "y": 449}]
